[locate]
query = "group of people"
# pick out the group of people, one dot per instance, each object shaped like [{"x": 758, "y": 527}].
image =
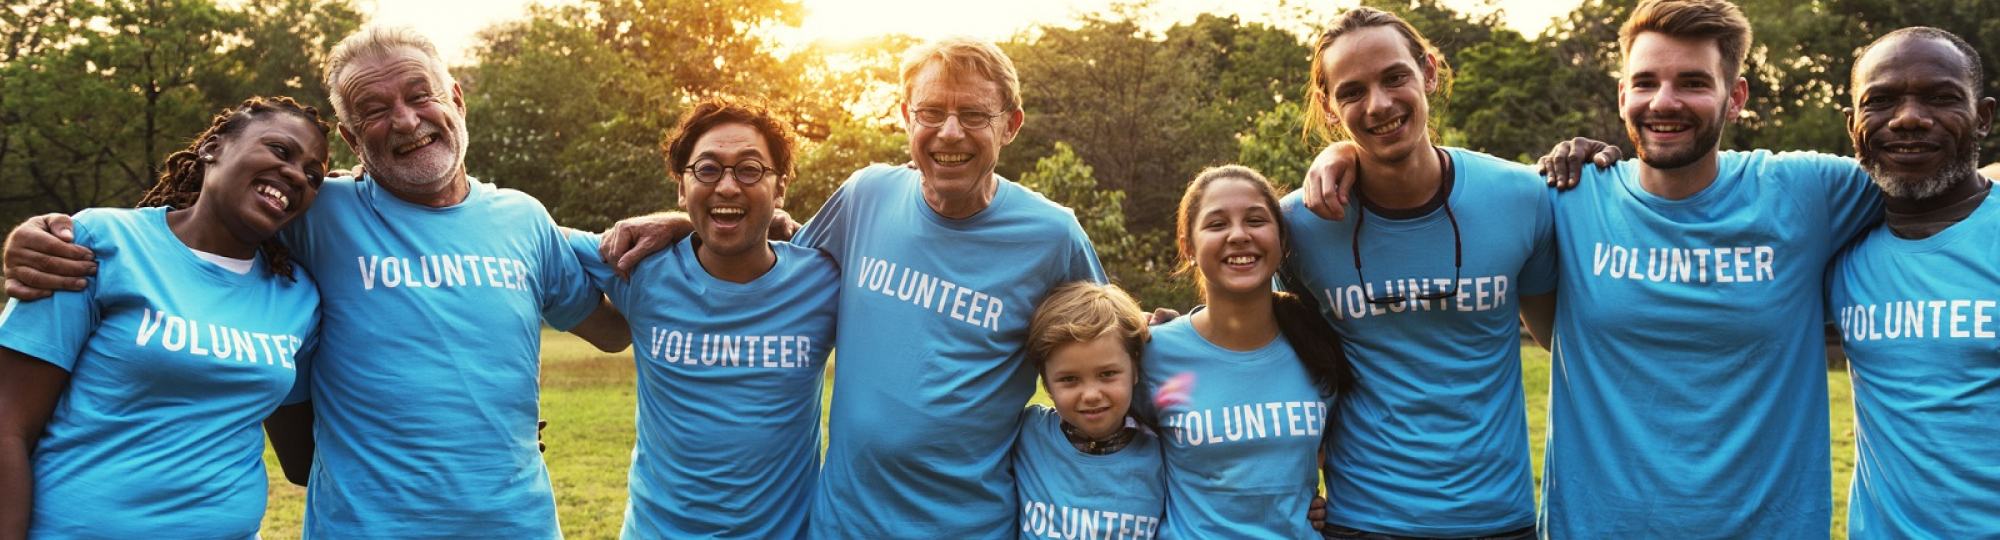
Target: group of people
[{"x": 384, "y": 330}]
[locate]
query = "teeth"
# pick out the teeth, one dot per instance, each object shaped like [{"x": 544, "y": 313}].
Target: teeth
[
  {"x": 268, "y": 191},
  {"x": 419, "y": 143},
  {"x": 1387, "y": 127},
  {"x": 1240, "y": 259},
  {"x": 1668, "y": 128},
  {"x": 725, "y": 211},
  {"x": 951, "y": 159},
  {"x": 1906, "y": 150}
]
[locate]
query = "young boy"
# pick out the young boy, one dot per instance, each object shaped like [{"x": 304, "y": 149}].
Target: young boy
[{"x": 1085, "y": 468}]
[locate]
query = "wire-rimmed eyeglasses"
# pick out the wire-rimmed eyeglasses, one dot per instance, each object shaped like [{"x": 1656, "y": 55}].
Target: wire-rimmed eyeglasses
[{"x": 929, "y": 117}]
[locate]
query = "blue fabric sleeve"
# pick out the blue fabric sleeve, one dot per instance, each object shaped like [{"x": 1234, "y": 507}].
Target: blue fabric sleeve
[
  {"x": 1853, "y": 203},
  {"x": 826, "y": 231},
  {"x": 1538, "y": 275},
  {"x": 567, "y": 294},
  {"x": 54, "y": 329}
]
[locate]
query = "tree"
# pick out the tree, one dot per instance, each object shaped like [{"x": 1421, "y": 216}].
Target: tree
[
  {"x": 1147, "y": 110},
  {"x": 292, "y": 40},
  {"x": 1277, "y": 146},
  {"x": 95, "y": 94},
  {"x": 571, "y": 103},
  {"x": 558, "y": 114},
  {"x": 1133, "y": 262},
  {"x": 850, "y": 145}
]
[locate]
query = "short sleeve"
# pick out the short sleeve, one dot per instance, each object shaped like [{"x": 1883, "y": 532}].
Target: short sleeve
[
  {"x": 1853, "y": 203},
  {"x": 827, "y": 231},
  {"x": 55, "y": 329},
  {"x": 302, "y": 362},
  {"x": 566, "y": 291},
  {"x": 1538, "y": 273},
  {"x": 583, "y": 245},
  {"x": 1083, "y": 262}
]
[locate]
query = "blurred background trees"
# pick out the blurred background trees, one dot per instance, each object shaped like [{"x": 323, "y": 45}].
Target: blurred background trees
[{"x": 569, "y": 102}]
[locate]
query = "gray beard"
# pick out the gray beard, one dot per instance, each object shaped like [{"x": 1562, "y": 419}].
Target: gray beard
[
  {"x": 436, "y": 178},
  {"x": 1964, "y": 165}
]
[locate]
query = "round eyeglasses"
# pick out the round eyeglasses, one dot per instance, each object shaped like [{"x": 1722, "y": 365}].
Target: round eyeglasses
[{"x": 746, "y": 172}]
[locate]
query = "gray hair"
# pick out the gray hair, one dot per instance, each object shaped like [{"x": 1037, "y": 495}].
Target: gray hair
[{"x": 375, "y": 42}]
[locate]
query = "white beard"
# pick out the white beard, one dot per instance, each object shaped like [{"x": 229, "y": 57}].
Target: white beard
[{"x": 423, "y": 177}]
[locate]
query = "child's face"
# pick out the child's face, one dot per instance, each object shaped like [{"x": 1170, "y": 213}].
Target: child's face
[
  {"x": 1091, "y": 384},
  {"x": 1235, "y": 239}
]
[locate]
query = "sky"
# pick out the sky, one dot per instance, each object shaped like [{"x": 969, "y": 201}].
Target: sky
[{"x": 453, "y": 23}]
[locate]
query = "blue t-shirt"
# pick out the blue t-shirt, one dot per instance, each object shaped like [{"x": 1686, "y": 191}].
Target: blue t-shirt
[
  {"x": 930, "y": 380},
  {"x": 1242, "y": 450},
  {"x": 1921, "y": 325},
  {"x": 1689, "y": 396},
  {"x": 174, "y": 362},
  {"x": 1432, "y": 439},
  {"x": 729, "y": 391},
  {"x": 425, "y": 389},
  {"x": 1067, "y": 494}
]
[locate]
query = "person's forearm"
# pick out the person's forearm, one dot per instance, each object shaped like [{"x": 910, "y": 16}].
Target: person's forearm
[
  {"x": 290, "y": 429},
  {"x": 605, "y": 328},
  {"x": 17, "y": 487}
]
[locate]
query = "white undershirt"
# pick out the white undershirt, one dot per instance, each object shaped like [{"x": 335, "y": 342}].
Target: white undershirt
[{"x": 239, "y": 266}]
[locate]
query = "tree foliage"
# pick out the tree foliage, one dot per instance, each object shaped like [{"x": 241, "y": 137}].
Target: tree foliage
[
  {"x": 1147, "y": 110},
  {"x": 850, "y": 145},
  {"x": 95, "y": 94},
  {"x": 570, "y": 102},
  {"x": 557, "y": 113},
  {"x": 1131, "y": 261}
]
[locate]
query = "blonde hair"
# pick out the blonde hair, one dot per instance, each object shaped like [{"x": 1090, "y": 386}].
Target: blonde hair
[
  {"x": 1081, "y": 312},
  {"x": 375, "y": 42},
  {"x": 963, "y": 56}
]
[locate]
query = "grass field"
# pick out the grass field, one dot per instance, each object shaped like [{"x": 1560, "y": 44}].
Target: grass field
[{"x": 588, "y": 400}]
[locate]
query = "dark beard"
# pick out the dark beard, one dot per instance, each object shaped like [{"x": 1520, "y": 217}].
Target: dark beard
[{"x": 1704, "y": 142}]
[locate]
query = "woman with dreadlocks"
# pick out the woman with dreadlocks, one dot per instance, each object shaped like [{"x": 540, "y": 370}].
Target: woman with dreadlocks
[{"x": 132, "y": 408}]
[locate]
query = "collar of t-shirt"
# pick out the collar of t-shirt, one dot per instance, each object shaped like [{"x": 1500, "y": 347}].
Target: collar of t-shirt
[
  {"x": 1923, "y": 225},
  {"x": 1110, "y": 444},
  {"x": 232, "y": 264},
  {"x": 1445, "y": 181}
]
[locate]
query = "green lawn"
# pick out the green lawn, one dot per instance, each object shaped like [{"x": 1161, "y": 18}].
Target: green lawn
[{"x": 587, "y": 398}]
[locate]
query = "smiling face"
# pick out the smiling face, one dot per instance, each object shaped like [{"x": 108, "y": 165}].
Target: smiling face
[
  {"x": 1091, "y": 383},
  {"x": 1234, "y": 239},
  {"x": 406, "y": 120},
  {"x": 731, "y": 218},
  {"x": 1675, "y": 97},
  {"x": 1917, "y": 120},
  {"x": 957, "y": 163},
  {"x": 263, "y": 175},
  {"x": 1376, "y": 92}
]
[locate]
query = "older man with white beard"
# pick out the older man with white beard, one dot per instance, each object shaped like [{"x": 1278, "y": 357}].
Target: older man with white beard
[
  {"x": 434, "y": 287},
  {"x": 1917, "y": 298}
]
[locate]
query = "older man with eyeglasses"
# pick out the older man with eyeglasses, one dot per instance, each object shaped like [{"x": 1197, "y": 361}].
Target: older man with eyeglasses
[{"x": 941, "y": 266}]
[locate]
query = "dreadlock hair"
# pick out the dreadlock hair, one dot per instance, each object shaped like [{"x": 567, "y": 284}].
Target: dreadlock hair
[{"x": 180, "y": 180}]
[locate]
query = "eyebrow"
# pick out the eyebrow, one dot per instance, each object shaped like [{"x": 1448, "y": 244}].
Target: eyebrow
[{"x": 752, "y": 152}]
